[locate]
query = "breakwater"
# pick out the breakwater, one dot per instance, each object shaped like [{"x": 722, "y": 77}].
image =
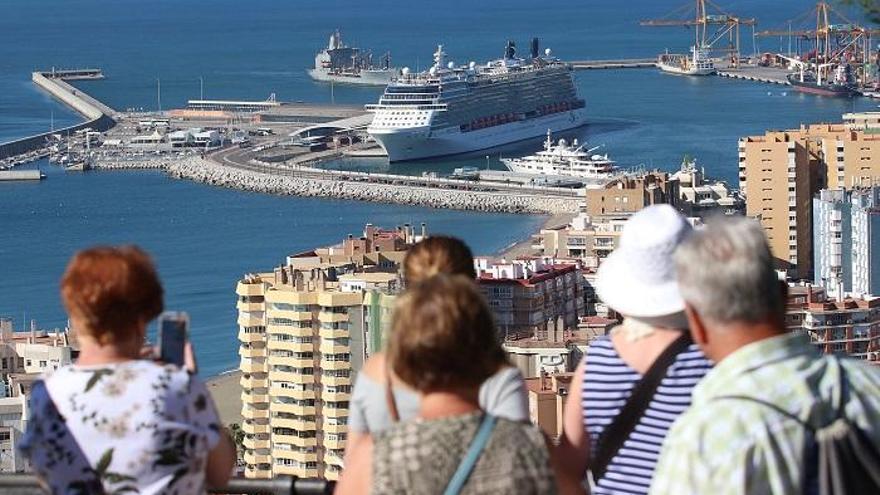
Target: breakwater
[
  {"x": 98, "y": 116},
  {"x": 208, "y": 172}
]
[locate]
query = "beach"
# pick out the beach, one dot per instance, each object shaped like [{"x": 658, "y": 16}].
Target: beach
[{"x": 226, "y": 391}]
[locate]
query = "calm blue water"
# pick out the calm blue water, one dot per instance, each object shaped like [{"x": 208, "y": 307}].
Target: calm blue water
[{"x": 202, "y": 237}]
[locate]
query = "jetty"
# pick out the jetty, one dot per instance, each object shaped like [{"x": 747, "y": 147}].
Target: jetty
[
  {"x": 10, "y": 175},
  {"x": 99, "y": 116},
  {"x": 628, "y": 63},
  {"x": 769, "y": 75}
]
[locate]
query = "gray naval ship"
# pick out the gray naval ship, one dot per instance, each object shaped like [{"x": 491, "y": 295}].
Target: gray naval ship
[{"x": 345, "y": 64}]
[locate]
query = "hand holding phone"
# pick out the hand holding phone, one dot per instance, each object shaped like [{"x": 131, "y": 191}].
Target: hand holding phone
[{"x": 173, "y": 335}]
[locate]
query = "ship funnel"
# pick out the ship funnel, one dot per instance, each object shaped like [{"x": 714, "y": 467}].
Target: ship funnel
[
  {"x": 534, "y": 48},
  {"x": 510, "y": 49}
]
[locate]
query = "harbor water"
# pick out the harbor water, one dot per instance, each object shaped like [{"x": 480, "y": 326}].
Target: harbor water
[{"x": 204, "y": 238}]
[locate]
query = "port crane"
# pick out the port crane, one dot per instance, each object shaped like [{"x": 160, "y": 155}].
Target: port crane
[
  {"x": 711, "y": 23},
  {"x": 835, "y": 40}
]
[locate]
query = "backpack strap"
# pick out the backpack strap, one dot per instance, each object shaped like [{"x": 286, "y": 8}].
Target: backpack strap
[
  {"x": 389, "y": 397},
  {"x": 456, "y": 483},
  {"x": 616, "y": 433}
]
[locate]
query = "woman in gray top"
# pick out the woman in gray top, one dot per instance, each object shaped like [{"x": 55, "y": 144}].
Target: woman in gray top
[
  {"x": 444, "y": 346},
  {"x": 503, "y": 394}
]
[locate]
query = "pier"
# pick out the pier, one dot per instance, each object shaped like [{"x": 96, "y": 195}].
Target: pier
[
  {"x": 770, "y": 75},
  {"x": 627, "y": 63},
  {"x": 99, "y": 116}
]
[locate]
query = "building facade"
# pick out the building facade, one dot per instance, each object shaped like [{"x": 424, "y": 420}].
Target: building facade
[
  {"x": 781, "y": 171},
  {"x": 532, "y": 297},
  {"x": 846, "y": 231},
  {"x": 626, "y": 195},
  {"x": 305, "y": 329}
]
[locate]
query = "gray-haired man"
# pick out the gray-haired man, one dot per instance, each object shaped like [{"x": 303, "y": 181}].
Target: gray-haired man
[{"x": 736, "y": 308}]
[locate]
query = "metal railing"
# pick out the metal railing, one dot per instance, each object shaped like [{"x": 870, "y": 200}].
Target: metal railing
[{"x": 280, "y": 485}]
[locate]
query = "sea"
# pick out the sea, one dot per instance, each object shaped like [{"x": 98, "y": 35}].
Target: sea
[{"x": 164, "y": 52}]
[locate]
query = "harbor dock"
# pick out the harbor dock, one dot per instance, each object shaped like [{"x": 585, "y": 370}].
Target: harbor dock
[
  {"x": 631, "y": 63},
  {"x": 770, "y": 75},
  {"x": 10, "y": 175}
]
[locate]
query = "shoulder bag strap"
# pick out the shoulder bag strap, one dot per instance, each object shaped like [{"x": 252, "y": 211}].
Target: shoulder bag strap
[
  {"x": 389, "y": 397},
  {"x": 624, "y": 423},
  {"x": 456, "y": 483}
]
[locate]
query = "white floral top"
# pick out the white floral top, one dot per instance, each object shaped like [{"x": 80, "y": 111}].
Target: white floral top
[{"x": 133, "y": 427}]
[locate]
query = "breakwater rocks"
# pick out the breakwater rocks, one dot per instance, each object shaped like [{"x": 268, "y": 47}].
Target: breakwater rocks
[{"x": 208, "y": 172}]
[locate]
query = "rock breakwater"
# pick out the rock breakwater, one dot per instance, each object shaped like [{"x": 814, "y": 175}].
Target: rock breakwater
[{"x": 209, "y": 172}]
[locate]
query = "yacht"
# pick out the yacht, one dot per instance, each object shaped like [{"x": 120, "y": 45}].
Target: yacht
[{"x": 564, "y": 159}]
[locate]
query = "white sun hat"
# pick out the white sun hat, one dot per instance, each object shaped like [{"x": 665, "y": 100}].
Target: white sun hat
[{"x": 638, "y": 278}]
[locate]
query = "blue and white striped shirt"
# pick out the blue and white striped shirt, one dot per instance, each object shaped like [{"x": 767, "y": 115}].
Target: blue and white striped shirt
[{"x": 608, "y": 383}]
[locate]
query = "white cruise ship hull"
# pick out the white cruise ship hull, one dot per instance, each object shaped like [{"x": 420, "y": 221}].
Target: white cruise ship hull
[{"x": 416, "y": 143}]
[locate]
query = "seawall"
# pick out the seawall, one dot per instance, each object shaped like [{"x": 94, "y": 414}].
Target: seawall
[
  {"x": 98, "y": 116},
  {"x": 208, "y": 172}
]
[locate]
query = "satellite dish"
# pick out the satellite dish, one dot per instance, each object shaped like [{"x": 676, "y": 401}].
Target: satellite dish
[
  {"x": 472, "y": 65},
  {"x": 433, "y": 71},
  {"x": 547, "y": 51},
  {"x": 450, "y": 65},
  {"x": 405, "y": 71}
]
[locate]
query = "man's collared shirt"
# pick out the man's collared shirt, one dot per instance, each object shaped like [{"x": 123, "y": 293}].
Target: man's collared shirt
[{"x": 732, "y": 446}]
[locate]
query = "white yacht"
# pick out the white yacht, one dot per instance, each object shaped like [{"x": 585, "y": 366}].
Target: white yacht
[
  {"x": 564, "y": 159},
  {"x": 697, "y": 63},
  {"x": 451, "y": 109}
]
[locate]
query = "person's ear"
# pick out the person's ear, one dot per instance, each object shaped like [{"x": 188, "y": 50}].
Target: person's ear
[{"x": 697, "y": 328}]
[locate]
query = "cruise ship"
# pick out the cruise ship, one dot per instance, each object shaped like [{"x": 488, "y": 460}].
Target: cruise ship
[
  {"x": 563, "y": 159},
  {"x": 451, "y": 109}
]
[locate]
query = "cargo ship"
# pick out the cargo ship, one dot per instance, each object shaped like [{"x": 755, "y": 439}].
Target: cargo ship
[
  {"x": 840, "y": 84},
  {"x": 451, "y": 109},
  {"x": 345, "y": 64}
]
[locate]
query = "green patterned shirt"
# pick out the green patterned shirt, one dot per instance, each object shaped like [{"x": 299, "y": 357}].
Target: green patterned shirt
[{"x": 730, "y": 446}]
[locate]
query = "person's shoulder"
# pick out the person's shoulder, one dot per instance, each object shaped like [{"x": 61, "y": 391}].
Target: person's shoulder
[
  {"x": 374, "y": 367},
  {"x": 505, "y": 376}
]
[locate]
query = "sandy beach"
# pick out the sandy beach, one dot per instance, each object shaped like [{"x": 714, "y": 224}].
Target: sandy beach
[
  {"x": 226, "y": 391},
  {"x": 524, "y": 247}
]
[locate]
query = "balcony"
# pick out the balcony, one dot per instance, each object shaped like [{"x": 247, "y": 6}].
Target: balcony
[
  {"x": 254, "y": 428},
  {"x": 332, "y": 317},
  {"x": 243, "y": 289},
  {"x": 297, "y": 472},
  {"x": 335, "y": 365},
  {"x": 252, "y": 382},
  {"x": 289, "y": 345},
  {"x": 248, "y": 366},
  {"x": 333, "y": 444},
  {"x": 334, "y": 333},
  {"x": 287, "y": 376},
  {"x": 334, "y": 412},
  {"x": 335, "y": 396},
  {"x": 335, "y": 381},
  {"x": 292, "y": 393},
  {"x": 335, "y": 428},
  {"x": 297, "y": 424},
  {"x": 291, "y": 314},
  {"x": 291, "y": 408},
  {"x": 252, "y": 458},
  {"x": 249, "y": 337},
  {"x": 296, "y": 455},
  {"x": 256, "y": 443},
  {"x": 251, "y": 398},
  {"x": 250, "y": 307},
  {"x": 332, "y": 346},
  {"x": 295, "y": 440},
  {"x": 290, "y": 361},
  {"x": 256, "y": 472},
  {"x": 249, "y": 320},
  {"x": 253, "y": 413},
  {"x": 251, "y": 352}
]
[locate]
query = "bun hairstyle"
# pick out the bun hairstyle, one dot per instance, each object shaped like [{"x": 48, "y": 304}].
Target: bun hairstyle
[
  {"x": 438, "y": 255},
  {"x": 443, "y": 336}
]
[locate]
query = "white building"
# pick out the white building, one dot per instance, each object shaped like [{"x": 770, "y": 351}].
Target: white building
[
  {"x": 846, "y": 241},
  {"x": 699, "y": 198}
]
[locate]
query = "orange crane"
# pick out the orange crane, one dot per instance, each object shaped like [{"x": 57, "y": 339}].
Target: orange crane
[{"x": 712, "y": 25}]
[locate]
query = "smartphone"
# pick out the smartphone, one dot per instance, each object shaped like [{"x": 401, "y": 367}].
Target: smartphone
[{"x": 173, "y": 330}]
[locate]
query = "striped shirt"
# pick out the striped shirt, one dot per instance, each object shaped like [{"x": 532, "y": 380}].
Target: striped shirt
[{"x": 608, "y": 383}]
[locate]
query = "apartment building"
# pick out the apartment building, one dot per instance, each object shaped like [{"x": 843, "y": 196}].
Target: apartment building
[
  {"x": 846, "y": 240},
  {"x": 305, "y": 329},
  {"x": 849, "y": 326},
  {"x": 531, "y": 297},
  {"x": 781, "y": 171},
  {"x": 700, "y": 197},
  {"x": 628, "y": 194}
]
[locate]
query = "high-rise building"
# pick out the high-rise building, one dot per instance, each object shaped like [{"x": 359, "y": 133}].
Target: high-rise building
[
  {"x": 305, "y": 330},
  {"x": 846, "y": 231},
  {"x": 780, "y": 172}
]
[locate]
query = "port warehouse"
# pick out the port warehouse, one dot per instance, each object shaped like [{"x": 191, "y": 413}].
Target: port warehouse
[{"x": 98, "y": 115}]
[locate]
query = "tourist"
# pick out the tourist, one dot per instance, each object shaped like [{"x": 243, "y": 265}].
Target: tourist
[
  {"x": 113, "y": 422},
  {"x": 379, "y": 399},
  {"x": 632, "y": 384},
  {"x": 452, "y": 446},
  {"x": 748, "y": 429}
]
